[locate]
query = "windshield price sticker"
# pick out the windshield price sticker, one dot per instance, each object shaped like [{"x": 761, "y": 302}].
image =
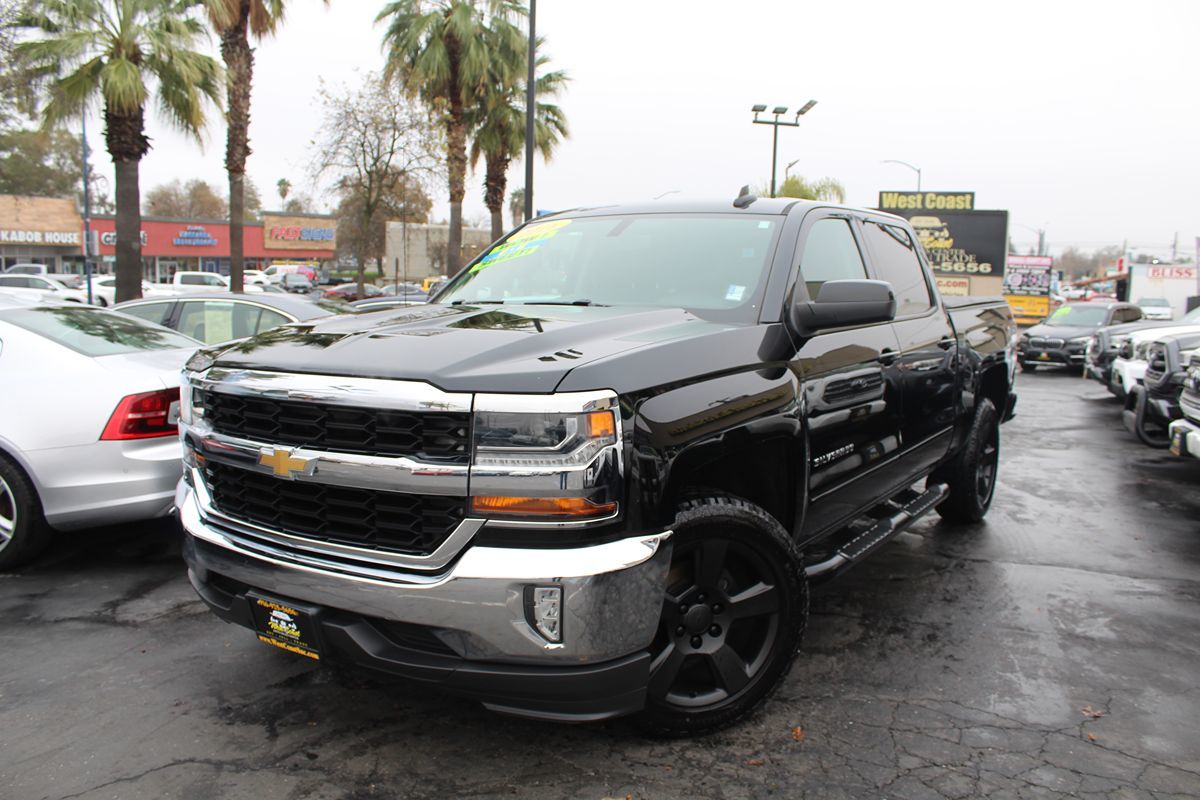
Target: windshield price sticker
[{"x": 522, "y": 243}]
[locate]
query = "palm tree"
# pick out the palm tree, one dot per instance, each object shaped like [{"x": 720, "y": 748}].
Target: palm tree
[
  {"x": 283, "y": 186},
  {"x": 117, "y": 49},
  {"x": 516, "y": 205},
  {"x": 438, "y": 51},
  {"x": 499, "y": 118},
  {"x": 828, "y": 189},
  {"x": 234, "y": 21}
]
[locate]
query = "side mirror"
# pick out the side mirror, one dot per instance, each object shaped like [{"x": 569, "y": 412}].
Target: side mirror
[{"x": 842, "y": 303}]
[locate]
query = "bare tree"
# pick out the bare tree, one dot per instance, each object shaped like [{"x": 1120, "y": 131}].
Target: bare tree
[{"x": 376, "y": 145}]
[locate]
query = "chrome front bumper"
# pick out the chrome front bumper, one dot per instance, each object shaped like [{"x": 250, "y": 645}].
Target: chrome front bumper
[{"x": 612, "y": 592}]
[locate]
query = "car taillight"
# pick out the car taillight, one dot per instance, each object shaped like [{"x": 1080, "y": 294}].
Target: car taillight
[{"x": 144, "y": 416}]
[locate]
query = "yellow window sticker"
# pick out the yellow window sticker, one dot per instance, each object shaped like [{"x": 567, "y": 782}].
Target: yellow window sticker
[{"x": 522, "y": 243}]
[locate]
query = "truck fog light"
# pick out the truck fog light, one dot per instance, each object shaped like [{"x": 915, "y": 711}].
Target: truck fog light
[{"x": 543, "y": 611}]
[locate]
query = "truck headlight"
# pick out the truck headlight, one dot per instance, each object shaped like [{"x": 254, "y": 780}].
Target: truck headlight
[{"x": 548, "y": 458}]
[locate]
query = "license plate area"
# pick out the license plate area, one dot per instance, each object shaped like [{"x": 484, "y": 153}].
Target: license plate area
[
  {"x": 286, "y": 625},
  {"x": 1178, "y": 445}
]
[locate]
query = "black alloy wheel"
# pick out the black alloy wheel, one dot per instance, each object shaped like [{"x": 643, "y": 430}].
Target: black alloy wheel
[
  {"x": 971, "y": 475},
  {"x": 733, "y": 612}
]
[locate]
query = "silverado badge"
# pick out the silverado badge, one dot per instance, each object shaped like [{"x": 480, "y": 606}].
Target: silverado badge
[{"x": 284, "y": 463}]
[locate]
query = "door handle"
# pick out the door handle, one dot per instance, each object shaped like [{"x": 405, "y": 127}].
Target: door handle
[
  {"x": 887, "y": 356},
  {"x": 946, "y": 343}
]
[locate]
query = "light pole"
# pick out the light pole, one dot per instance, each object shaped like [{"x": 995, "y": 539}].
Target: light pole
[
  {"x": 778, "y": 111},
  {"x": 530, "y": 108},
  {"x": 788, "y": 169},
  {"x": 910, "y": 166}
]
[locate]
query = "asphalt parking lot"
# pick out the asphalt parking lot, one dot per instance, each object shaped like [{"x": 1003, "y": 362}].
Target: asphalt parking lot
[{"x": 1052, "y": 652}]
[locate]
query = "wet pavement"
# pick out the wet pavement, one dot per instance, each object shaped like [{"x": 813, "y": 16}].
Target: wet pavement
[{"x": 1052, "y": 652}]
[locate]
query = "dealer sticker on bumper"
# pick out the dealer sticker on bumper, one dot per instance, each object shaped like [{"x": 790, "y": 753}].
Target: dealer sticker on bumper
[{"x": 284, "y": 626}]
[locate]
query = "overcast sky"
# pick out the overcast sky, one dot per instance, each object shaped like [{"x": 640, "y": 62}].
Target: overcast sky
[{"x": 1079, "y": 117}]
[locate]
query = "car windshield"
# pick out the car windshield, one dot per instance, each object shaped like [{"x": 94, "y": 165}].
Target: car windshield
[
  {"x": 1077, "y": 316},
  {"x": 712, "y": 263},
  {"x": 1153, "y": 301},
  {"x": 93, "y": 332}
]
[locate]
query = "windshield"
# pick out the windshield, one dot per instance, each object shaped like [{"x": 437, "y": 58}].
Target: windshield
[
  {"x": 1078, "y": 316},
  {"x": 712, "y": 263},
  {"x": 96, "y": 333},
  {"x": 1153, "y": 301}
]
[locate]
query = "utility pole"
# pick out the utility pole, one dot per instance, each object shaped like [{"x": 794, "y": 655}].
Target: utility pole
[
  {"x": 530, "y": 108},
  {"x": 1041, "y": 241},
  {"x": 1175, "y": 248},
  {"x": 87, "y": 213}
]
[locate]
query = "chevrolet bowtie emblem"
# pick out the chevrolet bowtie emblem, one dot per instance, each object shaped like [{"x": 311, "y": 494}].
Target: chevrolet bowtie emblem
[{"x": 284, "y": 464}]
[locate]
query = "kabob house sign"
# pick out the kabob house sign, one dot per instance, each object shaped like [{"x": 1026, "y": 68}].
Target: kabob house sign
[{"x": 965, "y": 246}]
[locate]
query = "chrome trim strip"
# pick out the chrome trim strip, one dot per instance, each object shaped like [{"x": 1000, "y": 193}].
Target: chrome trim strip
[
  {"x": 439, "y": 558},
  {"x": 395, "y": 395},
  {"x": 397, "y": 474}
]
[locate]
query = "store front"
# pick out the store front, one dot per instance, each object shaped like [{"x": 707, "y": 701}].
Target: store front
[
  {"x": 40, "y": 230},
  {"x": 172, "y": 245}
]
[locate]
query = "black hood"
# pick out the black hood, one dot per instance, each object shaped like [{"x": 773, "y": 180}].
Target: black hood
[{"x": 518, "y": 348}]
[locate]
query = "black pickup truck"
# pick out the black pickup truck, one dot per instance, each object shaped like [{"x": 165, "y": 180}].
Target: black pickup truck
[{"x": 597, "y": 474}]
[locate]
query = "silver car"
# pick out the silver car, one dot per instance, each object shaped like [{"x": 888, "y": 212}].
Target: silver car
[{"x": 88, "y": 408}]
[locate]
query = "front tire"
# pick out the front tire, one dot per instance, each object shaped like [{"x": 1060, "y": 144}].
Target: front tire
[
  {"x": 23, "y": 531},
  {"x": 734, "y": 611},
  {"x": 971, "y": 475}
]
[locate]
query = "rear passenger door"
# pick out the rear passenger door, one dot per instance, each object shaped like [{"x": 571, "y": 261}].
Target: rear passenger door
[
  {"x": 851, "y": 415},
  {"x": 924, "y": 371}
]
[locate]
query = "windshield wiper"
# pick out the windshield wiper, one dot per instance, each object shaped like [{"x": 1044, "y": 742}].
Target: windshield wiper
[
  {"x": 476, "y": 302},
  {"x": 565, "y": 303}
]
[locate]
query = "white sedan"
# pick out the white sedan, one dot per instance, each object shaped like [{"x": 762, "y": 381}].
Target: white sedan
[
  {"x": 40, "y": 288},
  {"x": 104, "y": 290},
  {"x": 90, "y": 439}
]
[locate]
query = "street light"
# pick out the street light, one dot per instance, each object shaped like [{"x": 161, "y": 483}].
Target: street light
[
  {"x": 910, "y": 166},
  {"x": 530, "y": 108},
  {"x": 778, "y": 111}
]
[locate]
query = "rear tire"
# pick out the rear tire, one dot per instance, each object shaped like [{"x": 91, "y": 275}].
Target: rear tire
[
  {"x": 734, "y": 610},
  {"x": 24, "y": 533},
  {"x": 971, "y": 475}
]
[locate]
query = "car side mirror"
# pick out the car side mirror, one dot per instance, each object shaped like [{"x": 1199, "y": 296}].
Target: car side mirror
[{"x": 842, "y": 303}]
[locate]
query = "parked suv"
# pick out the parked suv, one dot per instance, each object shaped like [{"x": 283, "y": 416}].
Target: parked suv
[
  {"x": 1152, "y": 406},
  {"x": 597, "y": 476},
  {"x": 1062, "y": 338},
  {"x": 1185, "y": 432}
]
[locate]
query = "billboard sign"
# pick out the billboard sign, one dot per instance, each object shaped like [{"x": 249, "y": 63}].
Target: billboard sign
[
  {"x": 958, "y": 239},
  {"x": 1027, "y": 281}
]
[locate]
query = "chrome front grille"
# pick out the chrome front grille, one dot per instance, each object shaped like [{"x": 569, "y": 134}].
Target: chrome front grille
[
  {"x": 364, "y": 518},
  {"x": 431, "y": 436},
  {"x": 1042, "y": 343}
]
